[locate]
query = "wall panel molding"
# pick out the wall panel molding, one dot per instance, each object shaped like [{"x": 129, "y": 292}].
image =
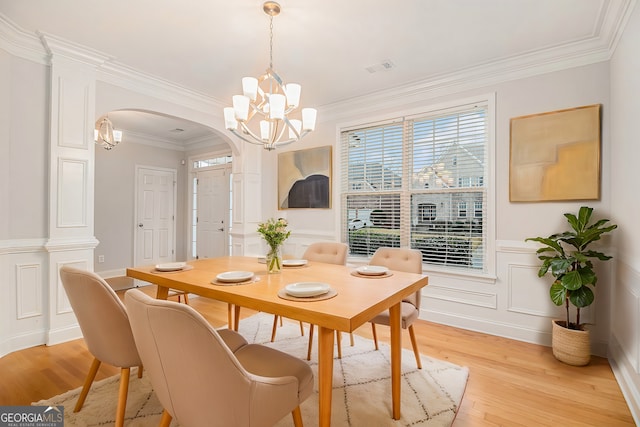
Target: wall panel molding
[{"x": 28, "y": 290}]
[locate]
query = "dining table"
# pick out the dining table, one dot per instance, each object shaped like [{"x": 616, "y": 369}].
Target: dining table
[{"x": 353, "y": 299}]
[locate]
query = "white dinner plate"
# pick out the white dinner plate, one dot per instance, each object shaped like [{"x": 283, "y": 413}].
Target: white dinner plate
[
  {"x": 307, "y": 289},
  {"x": 234, "y": 276},
  {"x": 294, "y": 262},
  {"x": 372, "y": 270},
  {"x": 171, "y": 266}
]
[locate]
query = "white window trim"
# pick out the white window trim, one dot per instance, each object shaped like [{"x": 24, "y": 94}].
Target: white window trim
[{"x": 490, "y": 100}]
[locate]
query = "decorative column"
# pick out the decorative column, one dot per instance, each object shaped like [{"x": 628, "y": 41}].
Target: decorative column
[
  {"x": 247, "y": 200},
  {"x": 71, "y": 238}
]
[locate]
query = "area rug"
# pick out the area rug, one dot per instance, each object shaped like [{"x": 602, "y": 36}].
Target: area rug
[{"x": 361, "y": 386}]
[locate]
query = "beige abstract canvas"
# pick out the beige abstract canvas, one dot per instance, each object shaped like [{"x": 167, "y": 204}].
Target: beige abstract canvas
[{"x": 556, "y": 156}]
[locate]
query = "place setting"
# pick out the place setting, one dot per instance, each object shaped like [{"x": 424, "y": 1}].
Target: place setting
[
  {"x": 372, "y": 272},
  {"x": 295, "y": 263},
  {"x": 171, "y": 267},
  {"x": 307, "y": 291},
  {"x": 230, "y": 278}
]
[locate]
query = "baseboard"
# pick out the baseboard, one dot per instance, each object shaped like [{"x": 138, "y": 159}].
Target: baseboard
[
  {"x": 625, "y": 374},
  {"x": 20, "y": 342},
  {"x": 60, "y": 335}
]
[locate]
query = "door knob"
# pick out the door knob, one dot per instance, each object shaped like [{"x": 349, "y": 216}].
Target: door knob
[
  {"x": 220, "y": 229},
  {"x": 140, "y": 225}
]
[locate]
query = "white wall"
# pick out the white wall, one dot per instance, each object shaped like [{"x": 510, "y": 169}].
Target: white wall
[
  {"x": 625, "y": 176},
  {"x": 24, "y": 117}
]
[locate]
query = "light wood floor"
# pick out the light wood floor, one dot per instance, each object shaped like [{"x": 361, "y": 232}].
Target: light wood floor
[{"x": 510, "y": 383}]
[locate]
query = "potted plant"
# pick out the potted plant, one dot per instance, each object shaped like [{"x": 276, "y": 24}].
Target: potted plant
[{"x": 567, "y": 257}]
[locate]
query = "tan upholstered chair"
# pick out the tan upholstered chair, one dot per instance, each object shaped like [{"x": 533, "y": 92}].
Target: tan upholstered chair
[
  {"x": 329, "y": 253},
  {"x": 410, "y": 261},
  {"x": 105, "y": 326},
  {"x": 226, "y": 381}
]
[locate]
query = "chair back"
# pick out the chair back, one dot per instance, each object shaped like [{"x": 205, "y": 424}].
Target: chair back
[
  {"x": 102, "y": 317},
  {"x": 400, "y": 259},
  {"x": 327, "y": 252},
  {"x": 197, "y": 378}
]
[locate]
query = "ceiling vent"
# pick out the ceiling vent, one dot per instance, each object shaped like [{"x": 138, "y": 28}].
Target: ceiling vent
[{"x": 385, "y": 65}]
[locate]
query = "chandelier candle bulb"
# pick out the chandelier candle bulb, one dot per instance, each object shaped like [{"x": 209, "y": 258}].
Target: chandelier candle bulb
[
  {"x": 250, "y": 87},
  {"x": 230, "y": 121},
  {"x": 241, "y": 107},
  {"x": 293, "y": 94},
  {"x": 309, "y": 119},
  {"x": 277, "y": 102},
  {"x": 265, "y": 130}
]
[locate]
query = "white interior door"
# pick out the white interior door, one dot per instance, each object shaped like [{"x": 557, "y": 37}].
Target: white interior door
[
  {"x": 213, "y": 213},
  {"x": 155, "y": 216}
]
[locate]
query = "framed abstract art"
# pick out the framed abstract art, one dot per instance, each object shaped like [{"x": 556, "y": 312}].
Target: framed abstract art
[
  {"x": 555, "y": 156},
  {"x": 304, "y": 178}
]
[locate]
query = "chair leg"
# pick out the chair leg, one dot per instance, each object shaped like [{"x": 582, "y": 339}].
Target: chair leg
[
  {"x": 297, "y": 417},
  {"x": 301, "y": 329},
  {"x": 414, "y": 344},
  {"x": 122, "y": 396},
  {"x": 87, "y": 384},
  {"x": 186, "y": 298},
  {"x": 275, "y": 326},
  {"x": 165, "y": 420},
  {"x": 375, "y": 337},
  {"x": 140, "y": 369},
  {"x": 339, "y": 340},
  {"x": 310, "y": 341}
]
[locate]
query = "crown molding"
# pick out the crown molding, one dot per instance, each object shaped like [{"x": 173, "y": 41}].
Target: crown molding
[
  {"x": 58, "y": 47},
  {"x": 20, "y": 43},
  {"x": 43, "y": 47},
  {"x": 597, "y": 47},
  {"x": 127, "y": 77}
]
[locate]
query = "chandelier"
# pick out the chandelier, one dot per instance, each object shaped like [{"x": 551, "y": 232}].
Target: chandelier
[
  {"x": 272, "y": 101},
  {"x": 105, "y": 136}
]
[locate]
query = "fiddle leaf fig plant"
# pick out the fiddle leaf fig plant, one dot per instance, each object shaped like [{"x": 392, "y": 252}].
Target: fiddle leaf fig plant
[{"x": 566, "y": 257}]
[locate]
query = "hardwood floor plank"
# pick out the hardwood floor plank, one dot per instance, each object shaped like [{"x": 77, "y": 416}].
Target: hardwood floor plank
[{"x": 511, "y": 383}]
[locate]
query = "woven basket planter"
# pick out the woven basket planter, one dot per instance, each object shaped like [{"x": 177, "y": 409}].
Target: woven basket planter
[{"x": 570, "y": 346}]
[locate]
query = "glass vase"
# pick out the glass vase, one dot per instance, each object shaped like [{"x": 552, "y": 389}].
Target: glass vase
[{"x": 274, "y": 260}]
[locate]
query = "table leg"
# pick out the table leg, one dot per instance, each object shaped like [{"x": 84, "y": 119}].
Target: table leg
[
  {"x": 325, "y": 375},
  {"x": 236, "y": 317},
  {"x": 162, "y": 292},
  {"x": 396, "y": 358}
]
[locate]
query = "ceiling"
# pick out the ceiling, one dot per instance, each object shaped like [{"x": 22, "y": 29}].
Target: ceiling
[{"x": 330, "y": 47}]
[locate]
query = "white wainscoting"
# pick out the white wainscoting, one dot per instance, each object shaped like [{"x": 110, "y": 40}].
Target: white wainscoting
[
  {"x": 624, "y": 344},
  {"x": 23, "y": 270},
  {"x": 515, "y": 304}
]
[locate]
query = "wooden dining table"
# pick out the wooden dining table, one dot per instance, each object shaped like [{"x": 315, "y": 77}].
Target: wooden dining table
[{"x": 358, "y": 298}]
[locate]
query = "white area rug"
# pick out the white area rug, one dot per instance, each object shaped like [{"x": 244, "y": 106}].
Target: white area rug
[{"x": 361, "y": 386}]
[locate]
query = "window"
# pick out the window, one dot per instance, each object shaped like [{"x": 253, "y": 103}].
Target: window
[
  {"x": 462, "y": 209},
  {"x": 414, "y": 180},
  {"x": 426, "y": 212}
]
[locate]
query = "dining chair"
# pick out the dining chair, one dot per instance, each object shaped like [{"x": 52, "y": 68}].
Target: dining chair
[
  {"x": 105, "y": 326},
  {"x": 409, "y": 261},
  {"x": 330, "y": 253},
  {"x": 227, "y": 381}
]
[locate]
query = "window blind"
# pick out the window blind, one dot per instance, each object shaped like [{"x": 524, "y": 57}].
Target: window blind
[{"x": 419, "y": 182}]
